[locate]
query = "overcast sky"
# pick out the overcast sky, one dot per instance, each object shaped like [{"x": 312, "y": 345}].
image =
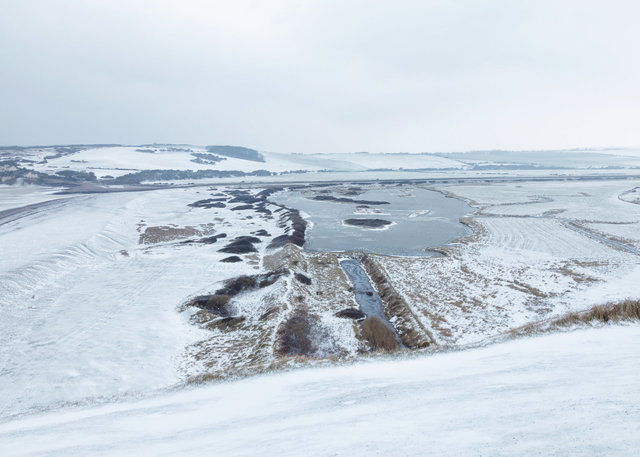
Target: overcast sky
[{"x": 322, "y": 76}]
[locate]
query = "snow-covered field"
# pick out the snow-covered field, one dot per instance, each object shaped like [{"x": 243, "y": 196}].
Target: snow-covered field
[
  {"x": 116, "y": 161},
  {"x": 575, "y": 393},
  {"x": 521, "y": 267},
  {"x": 121, "y": 160},
  {"x": 576, "y": 200},
  {"x": 88, "y": 311},
  {"x": 92, "y": 289},
  {"x": 100, "y": 352},
  {"x": 17, "y": 196}
]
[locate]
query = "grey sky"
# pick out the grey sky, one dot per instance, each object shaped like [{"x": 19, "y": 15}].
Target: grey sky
[{"x": 322, "y": 76}]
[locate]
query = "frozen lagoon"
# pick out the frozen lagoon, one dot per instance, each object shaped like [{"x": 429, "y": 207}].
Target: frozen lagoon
[{"x": 420, "y": 219}]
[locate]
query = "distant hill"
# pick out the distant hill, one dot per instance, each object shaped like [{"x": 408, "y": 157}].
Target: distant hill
[{"x": 237, "y": 152}]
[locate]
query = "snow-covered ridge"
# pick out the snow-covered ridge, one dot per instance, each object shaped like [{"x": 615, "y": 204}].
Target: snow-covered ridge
[{"x": 115, "y": 162}]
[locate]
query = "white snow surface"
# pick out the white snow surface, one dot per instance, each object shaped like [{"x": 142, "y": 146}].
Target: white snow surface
[
  {"x": 571, "y": 394},
  {"x": 120, "y": 160},
  {"x": 86, "y": 311},
  {"x": 17, "y": 196}
]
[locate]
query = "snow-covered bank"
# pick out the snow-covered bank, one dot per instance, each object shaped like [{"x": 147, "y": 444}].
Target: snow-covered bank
[{"x": 575, "y": 393}]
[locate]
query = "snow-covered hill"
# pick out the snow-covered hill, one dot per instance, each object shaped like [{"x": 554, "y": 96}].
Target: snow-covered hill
[{"x": 575, "y": 393}]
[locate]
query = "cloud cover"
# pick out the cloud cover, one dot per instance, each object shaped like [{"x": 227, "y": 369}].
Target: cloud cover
[{"x": 321, "y": 76}]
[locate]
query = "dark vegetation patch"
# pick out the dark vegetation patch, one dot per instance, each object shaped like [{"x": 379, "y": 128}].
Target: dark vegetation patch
[
  {"x": 241, "y": 207},
  {"x": 226, "y": 323},
  {"x": 245, "y": 199},
  {"x": 251, "y": 239},
  {"x": 266, "y": 193},
  {"x": 173, "y": 175},
  {"x": 368, "y": 223},
  {"x": 237, "y": 152},
  {"x": 303, "y": 279},
  {"x": 241, "y": 245},
  {"x": 269, "y": 313},
  {"x": 296, "y": 226},
  {"x": 206, "y": 159},
  {"x": 378, "y": 335},
  {"x": 206, "y": 239},
  {"x": 262, "y": 208},
  {"x": 294, "y": 335},
  {"x": 211, "y": 239},
  {"x": 215, "y": 304},
  {"x": 348, "y": 200},
  {"x": 239, "y": 284},
  {"x": 208, "y": 203},
  {"x": 218, "y": 303},
  {"x": 351, "y": 313},
  {"x": 353, "y": 191},
  {"x": 78, "y": 176},
  {"x": 231, "y": 259}
]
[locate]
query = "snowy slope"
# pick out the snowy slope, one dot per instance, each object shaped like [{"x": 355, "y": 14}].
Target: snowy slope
[
  {"x": 87, "y": 311},
  {"x": 17, "y": 196},
  {"x": 121, "y": 160},
  {"x": 575, "y": 393}
]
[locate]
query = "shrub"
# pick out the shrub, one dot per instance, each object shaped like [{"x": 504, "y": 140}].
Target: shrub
[
  {"x": 351, "y": 313},
  {"x": 294, "y": 335},
  {"x": 303, "y": 279}
]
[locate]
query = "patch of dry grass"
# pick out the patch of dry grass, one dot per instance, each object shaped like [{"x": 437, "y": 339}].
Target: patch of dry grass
[
  {"x": 411, "y": 332},
  {"x": 165, "y": 233},
  {"x": 628, "y": 310},
  {"x": 378, "y": 335}
]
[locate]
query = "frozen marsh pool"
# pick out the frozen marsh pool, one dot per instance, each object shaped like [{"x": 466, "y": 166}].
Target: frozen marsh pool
[{"x": 419, "y": 218}]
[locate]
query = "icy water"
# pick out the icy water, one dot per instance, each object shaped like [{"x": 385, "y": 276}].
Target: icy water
[
  {"x": 365, "y": 294},
  {"x": 420, "y": 219}
]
